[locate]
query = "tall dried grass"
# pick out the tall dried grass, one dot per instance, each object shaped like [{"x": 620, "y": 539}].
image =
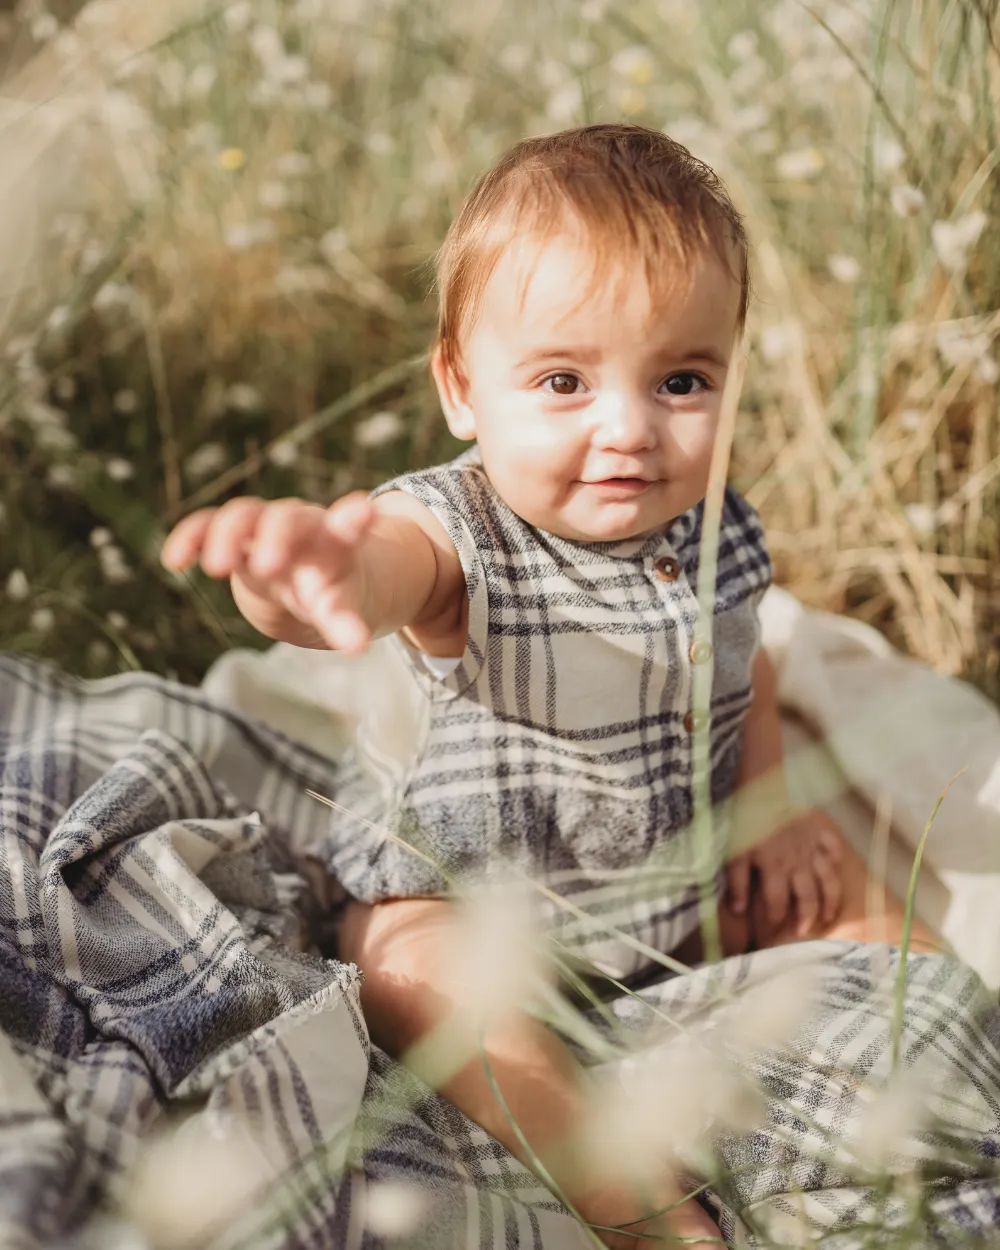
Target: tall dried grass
[{"x": 224, "y": 215}]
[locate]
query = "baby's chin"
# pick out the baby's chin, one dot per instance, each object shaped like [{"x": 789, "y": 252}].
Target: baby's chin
[{"x": 603, "y": 528}]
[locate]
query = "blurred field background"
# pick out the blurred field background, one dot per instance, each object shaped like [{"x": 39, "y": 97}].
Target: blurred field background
[{"x": 213, "y": 279}]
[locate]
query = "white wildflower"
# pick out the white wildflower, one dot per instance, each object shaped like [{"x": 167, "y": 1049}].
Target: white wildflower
[
  {"x": 317, "y": 96},
  {"x": 378, "y": 429},
  {"x": 515, "y": 57},
  {"x": 201, "y": 80},
  {"x": 907, "y": 201},
  {"x": 394, "y": 1209},
  {"x": 113, "y": 564},
  {"x": 843, "y": 268},
  {"x": 291, "y": 165},
  {"x": 237, "y": 15},
  {"x": 753, "y": 117},
  {"x": 264, "y": 94},
  {"x": 800, "y": 164},
  {"x": 660, "y": 1105},
  {"x": 742, "y": 45},
  {"x": 334, "y": 243},
  {"x": 42, "y": 620},
  {"x": 497, "y": 954},
  {"x": 910, "y": 419},
  {"x": 245, "y": 235},
  {"x": 61, "y": 477},
  {"x": 748, "y": 76},
  {"x": 119, "y": 469},
  {"x": 125, "y": 401},
  {"x": 768, "y": 1015},
  {"x": 288, "y": 71},
  {"x": 101, "y": 537},
  {"x": 124, "y": 115},
  {"x": 219, "y": 1173},
  {"x": 173, "y": 79},
  {"x": 776, "y": 341},
  {"x": 593, "y": 11},
  {"x": 922, "y": 518},
  {"x": 888, "y": 1124},
  {"x": 301, "y": 280},
  {"x": 98, "y": 653},
  {"x": 889, "y": 155},
  {"x": 58, "y": 317},
  {"x": 18, "y": 347},
  {"x": 64, "y": 388},
  {"x": 114, "y": 295},
  {"x": 762, "y": 142},
  {"x": 634, "y": 64},
  {"x": 44, "y": 27},
  {"x": 565, "y": 103},
  {"x": 580, "y": 53},
  {"x": 284, "y": 453},
  {"x": 952, "y": 240},
  {"x": 961, "y": 345},
  {"x": 273, "y": 196},
  {"x": 117, "y": 621},
  {"x": 208, "y": 459},
  {"x": 379, "y": 143},
  {"x": 243, "y": 397},
  {"x": 267, "y": 45},
  {"x": 18, "y": 588}
]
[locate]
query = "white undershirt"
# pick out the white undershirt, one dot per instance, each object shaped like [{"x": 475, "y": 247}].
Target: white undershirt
[{"x": 440, "y": 666}]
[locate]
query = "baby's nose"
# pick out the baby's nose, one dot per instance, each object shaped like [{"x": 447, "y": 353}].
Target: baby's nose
[{"x": 626, "y": 425}]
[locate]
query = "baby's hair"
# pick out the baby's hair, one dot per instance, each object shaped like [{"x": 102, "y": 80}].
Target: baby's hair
[{"x": 633, "y": 190}]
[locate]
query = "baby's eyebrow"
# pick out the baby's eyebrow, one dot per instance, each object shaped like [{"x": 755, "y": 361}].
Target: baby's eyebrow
[
  {"x": 586, "y": 355},
  {"x": 590, "y": 355}
]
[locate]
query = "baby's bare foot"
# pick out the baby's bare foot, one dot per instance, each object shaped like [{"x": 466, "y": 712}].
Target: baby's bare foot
[{"x": 687, "y": 1221}]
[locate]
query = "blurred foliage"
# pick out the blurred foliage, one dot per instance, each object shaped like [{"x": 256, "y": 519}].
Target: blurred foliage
[{"x": 235, "y": 232}]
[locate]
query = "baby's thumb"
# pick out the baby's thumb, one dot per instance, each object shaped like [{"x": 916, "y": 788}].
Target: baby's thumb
[{"x": 349, "y": 518}]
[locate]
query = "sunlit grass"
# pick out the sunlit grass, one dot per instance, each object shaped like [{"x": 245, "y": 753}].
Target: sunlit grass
[{"x": 244, "y": 243}]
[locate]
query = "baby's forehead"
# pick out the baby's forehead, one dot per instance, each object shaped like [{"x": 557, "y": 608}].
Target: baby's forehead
[{"x": 571, "y": 274}]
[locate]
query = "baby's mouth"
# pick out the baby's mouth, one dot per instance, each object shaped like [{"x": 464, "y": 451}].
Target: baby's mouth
[{"x": 627, "y": 484}]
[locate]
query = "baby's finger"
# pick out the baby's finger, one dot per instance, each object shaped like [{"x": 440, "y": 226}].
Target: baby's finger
[
  {"x": 284, "y": 530},
  {"x": 831, "y": 843},
  {"x": 775, "y": 890},
  {"x": 183, "y": 543},
  {"x": 806, "y": 900},
  {"x": 350, "y": 517},
  {"x": 831, "y": 885},
  {"x": 341, "y": 626},
  {"x": 738, "y": 882},
  {"x": 232, "y": 527}
]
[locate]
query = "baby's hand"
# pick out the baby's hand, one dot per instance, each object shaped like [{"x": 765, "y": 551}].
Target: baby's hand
[
  {"x": 285, "y": 559},
  {"x": 800, "y": 866}
]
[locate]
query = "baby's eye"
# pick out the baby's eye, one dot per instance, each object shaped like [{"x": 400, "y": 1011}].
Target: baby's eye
[
  {"x": 562, "y": 383},
  {"x": 684, "y": 384}
]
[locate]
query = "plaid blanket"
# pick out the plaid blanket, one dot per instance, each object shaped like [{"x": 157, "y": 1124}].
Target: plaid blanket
[{"x": 156, "y": 1001}]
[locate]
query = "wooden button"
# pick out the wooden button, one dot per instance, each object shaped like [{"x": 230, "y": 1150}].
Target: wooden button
[
  {"x": 695, "y": 721},
  {"x": 701, "y": 652},
  {"x": 667, "y": 569}
]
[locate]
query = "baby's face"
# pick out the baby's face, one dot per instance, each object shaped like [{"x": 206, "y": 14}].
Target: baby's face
[{"x": 595, "y": 413}]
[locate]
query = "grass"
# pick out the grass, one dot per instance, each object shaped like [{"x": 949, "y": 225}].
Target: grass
[
  {"x": 215, "y": 257},
  {"x": 244, "y": 245}
]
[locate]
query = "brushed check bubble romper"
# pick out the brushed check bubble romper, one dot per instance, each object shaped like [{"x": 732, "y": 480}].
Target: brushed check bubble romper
[{"x": 561, "y": 742}]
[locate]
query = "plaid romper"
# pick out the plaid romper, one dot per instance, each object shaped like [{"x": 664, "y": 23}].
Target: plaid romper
[{"x": 560, "y": 744}]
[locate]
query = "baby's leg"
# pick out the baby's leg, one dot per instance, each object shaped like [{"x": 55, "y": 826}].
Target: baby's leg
[{"x": 406, "y": 950}]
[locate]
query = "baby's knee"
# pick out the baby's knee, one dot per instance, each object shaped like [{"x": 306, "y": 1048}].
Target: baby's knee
[{"x": 396, "y": 939}]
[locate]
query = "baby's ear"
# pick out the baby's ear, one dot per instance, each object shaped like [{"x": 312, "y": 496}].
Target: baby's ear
[{"x": 453, "y": 391}]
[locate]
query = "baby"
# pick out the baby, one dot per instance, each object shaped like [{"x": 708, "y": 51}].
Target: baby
[{"x": 542, "y": 587}]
